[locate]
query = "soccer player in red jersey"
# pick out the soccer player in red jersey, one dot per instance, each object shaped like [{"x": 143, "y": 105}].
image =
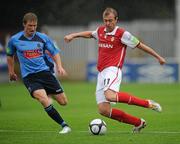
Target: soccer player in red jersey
[{"x": 112, "y": 43}]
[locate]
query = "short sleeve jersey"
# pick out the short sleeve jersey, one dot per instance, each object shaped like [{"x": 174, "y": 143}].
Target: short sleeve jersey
[
  {"x": 31, "y": 51},
  {"x": 112, "y": 46}
]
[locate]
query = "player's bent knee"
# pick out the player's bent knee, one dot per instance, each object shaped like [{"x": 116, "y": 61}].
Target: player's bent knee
[
  {"x": 63, "y": 103},
  {"x": 104, "y": 112},
  {"x": 108, "y": 98},
  {"x": 110, "y": 95},
  {"x": 61, "y": 99}
]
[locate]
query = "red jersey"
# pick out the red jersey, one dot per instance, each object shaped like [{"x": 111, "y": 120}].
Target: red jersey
[{"x": 111, "y": 50}]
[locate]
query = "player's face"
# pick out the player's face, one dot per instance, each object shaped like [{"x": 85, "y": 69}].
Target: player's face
[
  {"x": 30, "y": 28},
  {"x": 110, "y": 22}
]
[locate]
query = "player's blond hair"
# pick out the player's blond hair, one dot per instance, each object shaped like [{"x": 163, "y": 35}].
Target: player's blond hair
[
  {"x": 109, "y": 10},
  {"x": 29, "y": 17}
]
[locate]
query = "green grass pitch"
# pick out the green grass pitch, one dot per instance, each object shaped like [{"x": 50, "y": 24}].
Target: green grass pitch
[{"x": 23, "y": 120}]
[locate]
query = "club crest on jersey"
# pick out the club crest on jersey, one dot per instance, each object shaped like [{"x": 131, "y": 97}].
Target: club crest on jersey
[
  {"x": 33, "y": 53},
  {"x": 38, "y": 45},
  {"x": 112, "y": 39},
  {"x": 105, "y": 45}
]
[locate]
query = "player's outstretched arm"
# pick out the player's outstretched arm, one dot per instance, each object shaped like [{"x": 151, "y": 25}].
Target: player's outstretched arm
[
  {"x": 150, "y": 51},
  {"x": 83, "y": 34}
]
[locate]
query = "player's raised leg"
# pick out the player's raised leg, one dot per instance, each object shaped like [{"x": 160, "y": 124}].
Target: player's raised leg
[{"x": 130, "y": 99}]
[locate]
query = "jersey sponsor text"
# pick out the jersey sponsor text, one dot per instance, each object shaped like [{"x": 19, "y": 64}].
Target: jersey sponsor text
[
  {"x": 105, "y": 45},
  {"x": 32, "y": 53}
]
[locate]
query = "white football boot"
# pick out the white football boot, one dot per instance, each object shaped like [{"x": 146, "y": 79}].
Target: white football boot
[
  {"x": 137, "y": 129},
  {"x": 154, "y": 106},
  {"x": 65, "y": 130}
]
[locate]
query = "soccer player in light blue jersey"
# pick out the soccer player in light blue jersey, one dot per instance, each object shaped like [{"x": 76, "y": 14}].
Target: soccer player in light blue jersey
[{"x": 30, "y": 47}]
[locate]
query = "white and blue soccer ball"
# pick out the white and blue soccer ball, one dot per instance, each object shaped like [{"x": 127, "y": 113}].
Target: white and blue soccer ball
[{"x": 97, "y": 127}]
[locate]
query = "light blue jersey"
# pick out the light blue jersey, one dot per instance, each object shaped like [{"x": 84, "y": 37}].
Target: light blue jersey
[{"x": 31, "y": 51}]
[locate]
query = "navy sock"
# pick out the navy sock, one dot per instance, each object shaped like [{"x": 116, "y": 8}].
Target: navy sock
[{"x": 51, "y": 111}]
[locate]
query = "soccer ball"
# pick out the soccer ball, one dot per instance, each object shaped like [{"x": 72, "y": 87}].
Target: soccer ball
[{"x": 97, "y": 127}]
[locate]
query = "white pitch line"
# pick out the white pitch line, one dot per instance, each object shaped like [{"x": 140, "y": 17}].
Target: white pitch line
[
  {"x": 162, "y": 132},
  {"x": 75, "y": 131},
  {"x": 148, "y": 132},
  {"x": 26, "y": 131}
]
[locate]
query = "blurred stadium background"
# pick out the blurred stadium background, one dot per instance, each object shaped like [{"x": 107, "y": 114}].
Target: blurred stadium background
[{"x": 155, "y": 22}]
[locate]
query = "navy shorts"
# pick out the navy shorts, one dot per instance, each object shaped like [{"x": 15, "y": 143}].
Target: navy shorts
[{"x": 43, "y": 80}]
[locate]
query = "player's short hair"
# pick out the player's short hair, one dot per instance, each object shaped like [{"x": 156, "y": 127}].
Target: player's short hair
[
  {"x": 30, "y": 17},
  {"x": 109, "y": 10}
]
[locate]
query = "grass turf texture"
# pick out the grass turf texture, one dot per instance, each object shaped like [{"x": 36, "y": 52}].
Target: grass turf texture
[{"x": 23, "y": 120}]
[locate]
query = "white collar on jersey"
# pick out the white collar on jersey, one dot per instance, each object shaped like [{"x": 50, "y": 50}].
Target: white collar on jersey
[{"x": 113, "y": 32}]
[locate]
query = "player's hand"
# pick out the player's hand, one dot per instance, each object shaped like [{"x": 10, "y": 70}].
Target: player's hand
[
  {"x": 68, "y": 38},
  {"x": 61, "y": 71},
  {"x": 13, "y": 77},
  {"x": 162, "y": 60}
]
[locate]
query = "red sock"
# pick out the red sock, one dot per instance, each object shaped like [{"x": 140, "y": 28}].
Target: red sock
[
  {"x": 132, "y": 100},
  {"x": 124, "y": 117}
]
